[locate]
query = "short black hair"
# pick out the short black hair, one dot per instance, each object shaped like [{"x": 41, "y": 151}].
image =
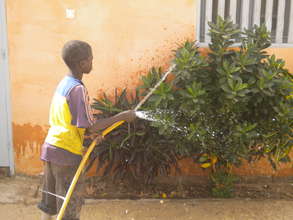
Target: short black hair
[{"x": 75, "y": 51}]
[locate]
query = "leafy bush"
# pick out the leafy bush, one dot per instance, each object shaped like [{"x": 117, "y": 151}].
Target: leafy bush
[
  {"x": 230, "y": 105},
  {"x": 134, "y": 152},
  {"x": 223, "y": 183},
  {"x": 234, "y": 103}
]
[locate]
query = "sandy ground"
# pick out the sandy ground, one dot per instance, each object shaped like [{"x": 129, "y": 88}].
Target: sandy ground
[
  {"x": 18, "y": 202},
  {"x": 174, "y": 209}
]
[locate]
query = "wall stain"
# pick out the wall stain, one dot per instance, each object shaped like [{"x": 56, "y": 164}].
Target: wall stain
[
  {"x": 159, "y": 57},
  {"x": 27, "y": 141}
]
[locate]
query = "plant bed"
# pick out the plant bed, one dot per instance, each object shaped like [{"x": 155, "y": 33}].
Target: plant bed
[{"x": 104, "y": 188}]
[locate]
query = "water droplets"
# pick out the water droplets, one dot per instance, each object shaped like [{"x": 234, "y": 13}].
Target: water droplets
[{"x": 163, "y": 118}]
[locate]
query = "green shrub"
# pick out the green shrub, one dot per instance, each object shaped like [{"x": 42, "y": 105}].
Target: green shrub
[
  {"x": 235, "y": 103},
  {"x": 223, "y": 184},
  {"x": 133, "y": 152},
  {"x": 232, "y": 105}
]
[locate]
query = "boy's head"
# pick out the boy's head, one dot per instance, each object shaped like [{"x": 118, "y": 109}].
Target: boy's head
[{"x": 78, "y": 56}]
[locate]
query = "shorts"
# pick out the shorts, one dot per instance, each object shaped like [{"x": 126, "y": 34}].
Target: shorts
[{"x": 57, "y": 180}]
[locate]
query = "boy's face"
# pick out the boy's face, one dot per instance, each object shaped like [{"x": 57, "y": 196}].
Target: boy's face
[{"x": 87, "y": 64}]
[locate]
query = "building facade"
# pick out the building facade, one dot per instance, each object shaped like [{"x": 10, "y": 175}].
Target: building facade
[{"x": 128, "y": 38}]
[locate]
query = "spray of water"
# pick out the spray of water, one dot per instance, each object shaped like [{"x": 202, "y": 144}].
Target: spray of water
[
  {"x": 146, "y": 115},
  {"x": 156, "y": 116}
]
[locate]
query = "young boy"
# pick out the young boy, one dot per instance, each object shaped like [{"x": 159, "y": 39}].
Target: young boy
[{"x": 70, "y": 116}]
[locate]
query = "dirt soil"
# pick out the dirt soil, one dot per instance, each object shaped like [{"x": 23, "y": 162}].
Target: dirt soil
[{"x": 19, "y": 196}]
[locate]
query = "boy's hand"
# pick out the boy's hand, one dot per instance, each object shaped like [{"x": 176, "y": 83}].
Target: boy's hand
[
  {"x": 100, "y": 138},
  {"x": 92, "y": 136},
  {"x": 128, "y": 115}
]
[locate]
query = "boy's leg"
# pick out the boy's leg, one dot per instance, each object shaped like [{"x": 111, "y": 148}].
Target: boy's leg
[
  {"x": 48, "y": 202},
  {"x": 64, "y": 176}
]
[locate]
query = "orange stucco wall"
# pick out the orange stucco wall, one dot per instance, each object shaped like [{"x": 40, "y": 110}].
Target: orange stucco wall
[{"x": 128, "y": 37}]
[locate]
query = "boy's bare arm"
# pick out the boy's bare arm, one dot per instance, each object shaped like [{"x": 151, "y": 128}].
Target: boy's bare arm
[{"x": 106, "y": 122}]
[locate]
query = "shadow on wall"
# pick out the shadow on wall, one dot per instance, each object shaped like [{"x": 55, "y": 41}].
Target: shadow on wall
[{"x": 27, "y": 140}]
